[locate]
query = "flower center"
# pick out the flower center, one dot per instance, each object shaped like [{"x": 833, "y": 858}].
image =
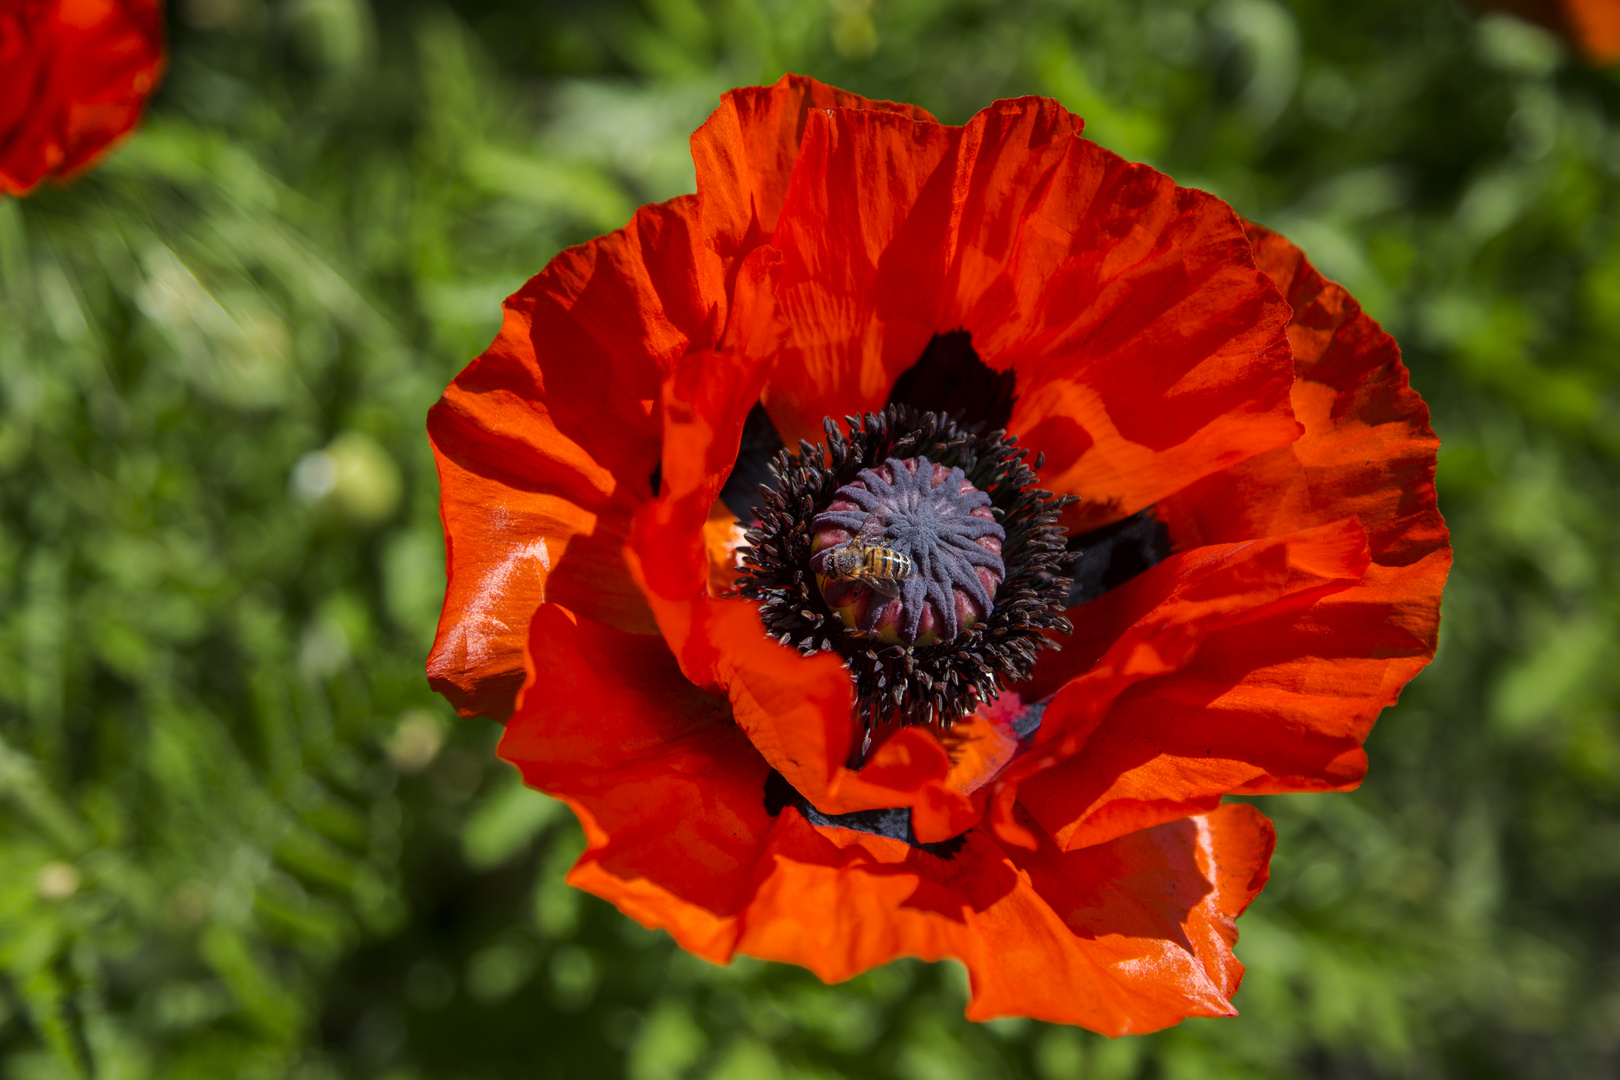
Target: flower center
[
  {"x": 908, "y": 553},
  {"x": 920, "y": 552}
]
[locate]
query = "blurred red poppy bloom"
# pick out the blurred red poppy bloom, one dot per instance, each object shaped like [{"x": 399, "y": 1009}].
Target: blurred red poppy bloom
[
  {"x": 1252, "y": 551},
  {"x": 1592, "y": 26},
  {"x": 74, "y": 76}
]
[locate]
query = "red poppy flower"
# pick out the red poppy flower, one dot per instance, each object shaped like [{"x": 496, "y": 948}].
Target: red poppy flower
[
  {"x": 74, "y": 76},
  {"x": 1011, "y": 745},
  {"x": 1593, "y": 26}
]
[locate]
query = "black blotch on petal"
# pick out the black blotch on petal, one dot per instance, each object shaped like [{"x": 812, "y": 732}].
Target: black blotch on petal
[
  {"x": 655, "y": 479},
  {"x": 1110, "y": 556},
  {"x": 760, "y": 443},
  {"x": 950, "y": 378},
  {"x": 779, "y": 794},
  {"x": 1029, "y": 721},
  {"x": 895, "y": 824}
]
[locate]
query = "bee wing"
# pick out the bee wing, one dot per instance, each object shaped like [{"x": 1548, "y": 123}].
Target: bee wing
[
  {"x": 882, "y": 586},
  {"x": 871, "y": 530}
]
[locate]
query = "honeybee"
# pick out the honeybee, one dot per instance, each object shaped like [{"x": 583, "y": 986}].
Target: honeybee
[{"x": 866, "y": 561}]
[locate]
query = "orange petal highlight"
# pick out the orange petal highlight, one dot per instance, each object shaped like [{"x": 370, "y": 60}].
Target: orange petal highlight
[{"x": 547, "y": 443}]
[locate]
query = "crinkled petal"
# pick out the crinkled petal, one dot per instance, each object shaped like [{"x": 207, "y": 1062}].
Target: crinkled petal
[
  {"x": 1282, "y": 699},
  {"x": 745, "y": 153},
  {"x": 1127, "y": 937},
  {"x": 548, "y": 442},
  {"x": 1155, "y": 622},
  {"x": 1367, "y": 451},
  {"x": 1129, "y": 640},
  {"x": 669, "y": 792},
  {"x": 1282, "y": 702},
  {"x": 1149, "y": 349},
  {"x": 869, "y": 232},
  {"x": 74, "y": 77},
  {"x": 1124, "y": 937}
]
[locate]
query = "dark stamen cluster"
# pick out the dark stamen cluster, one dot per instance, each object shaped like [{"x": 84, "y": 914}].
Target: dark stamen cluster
[{"x": 925, "y": 684}]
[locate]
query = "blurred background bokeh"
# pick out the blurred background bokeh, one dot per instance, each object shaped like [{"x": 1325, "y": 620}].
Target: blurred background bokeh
[{"x": 240, "y": 838}]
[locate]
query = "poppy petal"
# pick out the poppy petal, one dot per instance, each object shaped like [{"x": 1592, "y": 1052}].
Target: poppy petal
[
  {"x": 704, "y": 403},
  {"x": 1154, "y": 622},
  {"x": 1367, "y": 450},
  {"x": 1170, "y": 612},
  {"x": 723, "y": 540},
  {"x": 667, "y": 789},
  {"x": 1311, "y": 684},
  {"x": 1149, "y": 348},
  {"x": 1282, "y": 700},
  {"x": 745, "y": 152},
  {"x": 1128, "y": 937},
  {"x": 74, "y": 78},
  {"x": 548, "y": 442},
  {"x": 867, "y": 231}
]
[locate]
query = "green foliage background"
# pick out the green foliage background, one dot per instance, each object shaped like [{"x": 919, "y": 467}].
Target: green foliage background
[{"x": 240, "y": 838}]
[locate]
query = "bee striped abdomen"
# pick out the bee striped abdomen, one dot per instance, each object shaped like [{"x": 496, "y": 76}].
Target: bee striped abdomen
[{"x": 887, "y": 563}]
